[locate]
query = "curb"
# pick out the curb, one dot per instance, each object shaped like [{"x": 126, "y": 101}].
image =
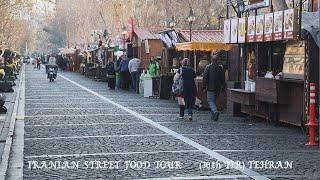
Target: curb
[{"x": 7, "y": 148}]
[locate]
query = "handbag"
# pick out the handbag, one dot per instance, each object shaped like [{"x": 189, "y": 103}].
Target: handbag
[{"x": 177, "y": 87}]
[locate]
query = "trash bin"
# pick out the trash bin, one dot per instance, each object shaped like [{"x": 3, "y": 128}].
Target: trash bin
[{"x": 166, "y": 82}]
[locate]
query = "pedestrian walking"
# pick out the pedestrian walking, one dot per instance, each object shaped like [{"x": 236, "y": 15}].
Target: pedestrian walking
[
  {"x": 213, "y": 83},
  {"x": 124, "y": 73},
  {"x": 38, "y": 63},
  {"x": 185, "y": 88},
  {"x": 111, "y": 74},
  {"x": 117, "y": 68},
  {"x": 133, "y": 66}
]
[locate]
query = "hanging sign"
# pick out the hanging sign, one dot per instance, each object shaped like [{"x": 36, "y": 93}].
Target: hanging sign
[
  {"x": 268, "y": 27},
  {"x": 234, "y": 30},
  {"x": 290, "y": 23},
  {"x": 242, "y": 30},
  {"x": 259, "y": 28},
  {"x": 278, "y": 26},
  {"x": 255, "y": 4},
  {"x": 251, "y": 28},
  {"x": 227, "y": 31}
]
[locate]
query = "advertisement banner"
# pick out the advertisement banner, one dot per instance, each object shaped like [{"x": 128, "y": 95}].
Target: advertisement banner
[
  {"x": 259, "y": 28},
  {"x": 290, "y": 24},
  {"x": 227, "y": 31},
  {"x": 268, "y": 27},
  {"x": 234, "y": 30},
  {"x": 242, "y": 30},
  {"x": 278, "y": 26},
  {"x": 251, "y": 28}
]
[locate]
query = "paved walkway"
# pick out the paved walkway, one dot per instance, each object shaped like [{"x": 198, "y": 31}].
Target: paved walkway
[{"x": 78, "y": 121}]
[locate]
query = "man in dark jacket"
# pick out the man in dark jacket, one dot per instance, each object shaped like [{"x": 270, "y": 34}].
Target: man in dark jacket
[{"x": 213, "y": 83}]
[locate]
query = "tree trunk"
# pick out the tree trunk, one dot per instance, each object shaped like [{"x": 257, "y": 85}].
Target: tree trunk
[{"x": 279, "y": 5}]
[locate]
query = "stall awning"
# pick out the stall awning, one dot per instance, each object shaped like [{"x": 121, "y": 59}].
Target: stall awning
[
  {"x": 203, "y": 46},
  {"x": 66, "y": 51},
  {"x": 310, "y": 23}
]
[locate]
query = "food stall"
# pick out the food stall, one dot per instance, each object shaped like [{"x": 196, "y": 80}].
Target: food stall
[
  {"x": 170, "y": 61},
  {"x": 279, "y": 64},
  {"x": 203, "y": 43}
]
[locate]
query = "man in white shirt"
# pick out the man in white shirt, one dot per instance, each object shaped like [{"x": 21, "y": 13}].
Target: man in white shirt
[{"x": 133, "y": 66}]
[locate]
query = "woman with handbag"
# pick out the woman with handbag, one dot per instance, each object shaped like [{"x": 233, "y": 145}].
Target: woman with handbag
[{"x": 185, "y": 88}]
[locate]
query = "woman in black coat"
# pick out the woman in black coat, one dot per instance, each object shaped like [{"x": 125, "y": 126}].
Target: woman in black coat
[
  {"x": 111, "y": 75},
  {"x": 189, "y": 88}
]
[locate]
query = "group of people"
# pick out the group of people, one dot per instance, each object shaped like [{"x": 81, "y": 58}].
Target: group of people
[
  {"x": 37, "y": 63},
  {"x": 184, "y": 86},
  {"x": 185, "y": 89},
  {"x": 126, "y": 70}
]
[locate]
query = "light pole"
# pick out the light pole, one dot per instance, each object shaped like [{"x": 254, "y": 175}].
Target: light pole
[
  {"x": 124, "y": 32},
  {"x": 172, "y": 23},
  {"x": 191, "y": 18}
]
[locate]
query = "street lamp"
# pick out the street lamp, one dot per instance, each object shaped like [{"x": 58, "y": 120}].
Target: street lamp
[
  {"x": 191, "y": 18},
  {"x": 241, "y": 8},
  {"x": 172, "y": 23},
  {"x": 124, "y": 32}
]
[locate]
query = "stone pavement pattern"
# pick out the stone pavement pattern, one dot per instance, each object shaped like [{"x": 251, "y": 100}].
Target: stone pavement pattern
[{"x": 67, "y": 123}]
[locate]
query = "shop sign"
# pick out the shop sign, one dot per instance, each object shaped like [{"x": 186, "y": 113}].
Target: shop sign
[
  {"x": 251, "y": 28},
  {"x": 290, "y": 23},
  {"x": 234, "y": 30},
  {"x": 227, "y": 31},
  {"x": 259, "y": 28},
  {"x": 242, "y": 30},
  {"x": 278, "y": 26},
  {"x": 268, "y": 27}
]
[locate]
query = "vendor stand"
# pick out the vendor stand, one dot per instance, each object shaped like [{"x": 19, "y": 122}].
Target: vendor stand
[
  {"x": 278, "y": 65},
  {"x": 203, "y": 43},
  {"x": 170, "y": 61}
]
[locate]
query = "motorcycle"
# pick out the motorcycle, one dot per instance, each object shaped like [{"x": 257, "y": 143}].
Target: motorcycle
[{"x": 52, "y": 74}]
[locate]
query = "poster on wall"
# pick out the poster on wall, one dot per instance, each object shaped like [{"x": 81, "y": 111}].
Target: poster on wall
[
  {"x": 268, "y": 27},
  {"x": 251, "y": 28},
  {"x": 234, "y": 30},
  {"x": 290, "y": 24},
  {"x": 226, "y": 30},
  {"x": 259, "y": 28},
  {"x": 242, "y": 30},
  {"x": 278, "y": 26}
]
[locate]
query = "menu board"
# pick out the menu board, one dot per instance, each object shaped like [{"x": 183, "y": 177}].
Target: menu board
[
  {"x": 278, "y": 26},
  {"x": 242, "y": 30},
  {"x": 227, "y": 31},
  {"x": 268, "y": 27},
  {"x": 293, "y": 65},
  {"x": 251, "y": 28},
  {"x": 290, "y": 23},
  {"x": 234, "y": 30},
  {"x": 259, "y": 28}
]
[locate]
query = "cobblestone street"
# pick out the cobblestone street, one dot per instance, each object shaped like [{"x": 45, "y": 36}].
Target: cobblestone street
[{"x": 76, "y": 119}]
